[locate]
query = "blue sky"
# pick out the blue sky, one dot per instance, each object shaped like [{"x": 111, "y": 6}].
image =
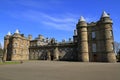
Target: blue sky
[{"x": 54, "y": 18}]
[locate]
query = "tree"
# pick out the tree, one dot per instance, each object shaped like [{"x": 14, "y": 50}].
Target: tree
[
  {"x": 0, "y": 45},
  {"x": 1, "y": 50},
  {"x": 118, "y": 55},
  {"x": 117, "y": 50},
  {"x": 116, "y": 46}
]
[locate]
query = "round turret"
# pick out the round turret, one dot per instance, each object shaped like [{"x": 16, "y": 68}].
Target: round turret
[
  {"x": 81, "y": 22},
  {"x": 17, "y": 31},
  {"x": 105, "y": 18},
  {"x": 82, "y": 36},
  {"x": 6, "y": 44},
  {"x": 9, "y": 34},
  {"x": 108, "y": 37}
]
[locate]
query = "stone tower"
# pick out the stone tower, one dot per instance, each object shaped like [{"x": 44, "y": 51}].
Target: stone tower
[
  {"x": 82, "y": 40},
  {"x": 106, "y": 24},
  {"x": 20, "y": 46},
  {"x": 6, "y": 44},
  {"x": 16, "y": 47}
]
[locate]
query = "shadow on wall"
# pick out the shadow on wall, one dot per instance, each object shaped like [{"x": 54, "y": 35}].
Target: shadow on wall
[
  {"x": 68, "y": 54},
  {"x": 64, "y": 54}
]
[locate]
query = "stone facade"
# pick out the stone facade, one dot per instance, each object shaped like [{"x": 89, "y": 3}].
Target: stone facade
[
  {"x": 92, "y": 42},
  {"x": 16, "y": 47}
]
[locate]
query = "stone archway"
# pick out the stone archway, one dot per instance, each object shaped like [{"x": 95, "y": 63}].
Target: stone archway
[{"x": 52, "y": 57}]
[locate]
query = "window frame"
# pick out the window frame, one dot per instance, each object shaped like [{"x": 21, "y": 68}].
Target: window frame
[
  {"x": 94, "y": 47},
  {"x": 93, "y": 34}
]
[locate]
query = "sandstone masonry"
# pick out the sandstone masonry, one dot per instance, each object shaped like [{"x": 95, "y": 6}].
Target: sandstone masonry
[{"x": 92, "y": 42}]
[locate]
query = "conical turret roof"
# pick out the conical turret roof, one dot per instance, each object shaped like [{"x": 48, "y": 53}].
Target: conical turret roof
[
  {"x": 9, "y": 33},
  {"x": 17, "y": 31},
  {"x": 82, "y": 19},
  {"x": 104, "y": 14}
]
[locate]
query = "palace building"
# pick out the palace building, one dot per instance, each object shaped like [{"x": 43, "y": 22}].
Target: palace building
[{"x": 92, "y": 42}]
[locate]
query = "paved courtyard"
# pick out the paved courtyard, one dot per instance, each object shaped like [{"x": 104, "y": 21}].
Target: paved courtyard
[{"x": 53, "y": 70}]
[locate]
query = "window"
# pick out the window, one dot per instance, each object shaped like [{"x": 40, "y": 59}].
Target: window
[
  {"x": 112, "y": 46},
  {"x": 93, "y": 28},
  {"x": 14, "y": 52},
  {"x": 27, "y": 44},
  {"x": 110, "y": 32},
  {"x": 93, "y": 35},
  {"x": 93, "y": 47},
  {"x": 15, "y": 44}
]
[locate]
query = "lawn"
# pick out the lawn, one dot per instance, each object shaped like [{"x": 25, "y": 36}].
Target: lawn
[{"x": 10, "y": 62}]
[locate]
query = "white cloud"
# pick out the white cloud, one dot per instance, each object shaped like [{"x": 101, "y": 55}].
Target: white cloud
[
  {"x": 65, "y": 21},
  {"x": 39, "y": 4},
  {"x": 60, "y": 26},
  {"x": 60, "y": 22}
]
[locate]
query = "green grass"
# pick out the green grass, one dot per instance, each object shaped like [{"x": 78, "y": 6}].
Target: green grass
[{"x": 9, "y": 62}]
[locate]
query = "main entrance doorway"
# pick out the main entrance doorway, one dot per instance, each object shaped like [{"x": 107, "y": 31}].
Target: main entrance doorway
[{"x": 94, "y": 58}]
